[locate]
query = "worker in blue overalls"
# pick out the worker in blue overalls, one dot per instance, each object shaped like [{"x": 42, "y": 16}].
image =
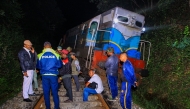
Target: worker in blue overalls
[
  {"x": 128, "y": 79},
  {"x": 48, "y": 62}
]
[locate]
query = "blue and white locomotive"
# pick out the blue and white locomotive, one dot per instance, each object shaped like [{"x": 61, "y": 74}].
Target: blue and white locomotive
[{"x": 118, "y": 28}]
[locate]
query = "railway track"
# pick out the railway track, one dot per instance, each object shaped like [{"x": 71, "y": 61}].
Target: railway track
[{"x": 94, "y": 101}]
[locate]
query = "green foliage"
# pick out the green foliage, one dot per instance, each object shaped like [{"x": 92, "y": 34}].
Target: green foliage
[
  {"x": 11, "y": 41},
  {"x": 185, "y": 40}
]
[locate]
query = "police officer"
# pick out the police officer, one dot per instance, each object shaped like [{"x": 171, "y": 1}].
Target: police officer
[{"x": 48, "y": 62}]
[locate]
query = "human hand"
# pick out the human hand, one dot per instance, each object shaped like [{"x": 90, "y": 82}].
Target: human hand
[
  {"x": 25, "y": 74},
  {"x": 136, "y": 83},
  {"x": 59, "y": 79},
  {"x": 32, "y": 49},
  {"x": 37, "y": 71}
]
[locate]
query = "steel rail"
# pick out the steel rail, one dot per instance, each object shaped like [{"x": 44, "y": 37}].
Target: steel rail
[{"x": 39, "y": 102}]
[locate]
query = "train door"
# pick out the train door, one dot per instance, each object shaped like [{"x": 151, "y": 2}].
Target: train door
[{"x": 91, "y": 40}]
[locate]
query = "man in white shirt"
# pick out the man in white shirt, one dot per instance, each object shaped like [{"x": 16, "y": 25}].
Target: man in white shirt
[{"x": 99, "y": 88}]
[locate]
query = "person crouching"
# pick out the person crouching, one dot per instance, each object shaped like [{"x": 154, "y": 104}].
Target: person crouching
[
  {"x": 93, "y": 86},
  {"x": 65, "y": 73}
]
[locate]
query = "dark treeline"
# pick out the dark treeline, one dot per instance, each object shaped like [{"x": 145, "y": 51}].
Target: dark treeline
[
  {"x": 35, "y": 20},
  {"x": 42, "y": 21},
  {"x": 38, "y": 21}
]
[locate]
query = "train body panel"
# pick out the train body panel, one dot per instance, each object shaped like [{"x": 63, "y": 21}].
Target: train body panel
[{"x": 117, "y": 28}]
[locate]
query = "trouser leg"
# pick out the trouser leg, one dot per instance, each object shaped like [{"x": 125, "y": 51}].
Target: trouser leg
[
  {"x": 112, "y": 81},
  {"x": 76, "y": 81},
  {"x": 35, "y": 79},
  {"x": 27, "y": 84},
  {"x": 31, "y": 74},
  {"x": 46, "y": 90},
  {"x": 54, "y": 88},
  {"x": 86, "y": 93},
  {"x": 68, "y": 87},
  {"x": 125, "y": 95}
]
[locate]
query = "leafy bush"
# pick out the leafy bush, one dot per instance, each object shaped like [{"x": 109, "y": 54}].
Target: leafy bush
[
  {"x": 168, "y": 83},
  {"x": 11, "y": 41}
]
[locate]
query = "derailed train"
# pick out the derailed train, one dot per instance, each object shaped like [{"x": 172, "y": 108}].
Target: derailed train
[{"x": 118, "y": 28}]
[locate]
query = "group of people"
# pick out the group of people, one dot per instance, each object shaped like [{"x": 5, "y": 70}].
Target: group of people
[
  {"x": 127, "y": 76},
  {"x": 61, "y": 65},
  {"x": 54, "y": 65}
]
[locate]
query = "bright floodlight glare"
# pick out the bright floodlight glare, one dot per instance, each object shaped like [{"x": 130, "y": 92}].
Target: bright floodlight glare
[
  {"x": 116, "y": 20},
  {"x": 143, "y": 29}
]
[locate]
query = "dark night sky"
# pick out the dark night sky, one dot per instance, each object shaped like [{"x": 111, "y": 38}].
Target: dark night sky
[
  {"x": 38, "y": 16},
  {"x": 77, "y": 11}
]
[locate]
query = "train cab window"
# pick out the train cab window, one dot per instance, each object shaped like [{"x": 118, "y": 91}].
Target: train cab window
[
  {"x": 84, "y": 29},
  {"x": 94, "y": 26},
  {"x": 139, "y": 24},
  {"x": 122, "y": 19}
]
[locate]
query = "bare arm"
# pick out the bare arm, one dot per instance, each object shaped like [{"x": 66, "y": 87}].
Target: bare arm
[{"x": 87, "y": 84}]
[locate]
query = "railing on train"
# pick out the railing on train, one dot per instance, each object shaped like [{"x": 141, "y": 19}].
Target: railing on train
[
  {"x": 91, "y": 47},
  {"x": 142, "y": 49}
]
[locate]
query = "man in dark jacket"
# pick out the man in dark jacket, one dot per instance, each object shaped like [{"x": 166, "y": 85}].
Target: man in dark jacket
[
  {"x": 49, "y": 62},
  {"x": 26, "y": 58},
  {"x": 65, "y": 73},
  {"x": 111, "y": 66}
]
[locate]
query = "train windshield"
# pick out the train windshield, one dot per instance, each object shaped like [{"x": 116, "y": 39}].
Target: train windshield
[
  {"x": 139, "y": 24},
  {"x": 122, "y": 19}
]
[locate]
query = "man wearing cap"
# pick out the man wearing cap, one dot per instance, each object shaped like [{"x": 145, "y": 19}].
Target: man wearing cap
[
  {"x": 49, "y": 62},
  {"x": 26, "y": 58},
  {"x": 75, "y": 69},
  {"x": 69, "y": 55},
  {"x": 111, "y": 66},
  {"x": 59, "y": 49},
  {"x": 65, "y": 73}
]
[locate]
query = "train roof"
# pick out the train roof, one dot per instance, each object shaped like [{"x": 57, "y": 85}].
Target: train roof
[{"x": 117, "y": 10}]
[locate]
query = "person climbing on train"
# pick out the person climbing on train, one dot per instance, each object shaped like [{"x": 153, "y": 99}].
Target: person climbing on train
[
  {"x": 49, "y": 62},
  {"x": 69, "y": 55},
  {"x": 75, "y": 70},
  {"x": 111, "y": 66},
  {"x": 128, "y": 79},
  {"x": 93, "y": 86},
  {"x": 65, "y": 73}
]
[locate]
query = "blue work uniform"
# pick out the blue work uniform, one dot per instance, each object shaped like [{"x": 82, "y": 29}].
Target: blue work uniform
[
  {"x": 128, "y": 79},
  {"x": 111, "y": 66},
  {"x": 48, "y": 62}
]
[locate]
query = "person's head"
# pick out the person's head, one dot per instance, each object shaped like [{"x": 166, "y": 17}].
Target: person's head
[
  {"x": 69, "y": 49},
  {"x": 123, "y": 57},
  {"x": 73, "y": 56},
  {"x": 47, "y": 44},
  {"x": 27, "y": 44},
  {"x": 59, "y": 49},
  {"x": 91, "y": 72},
  {"x": 110, "y": 51},
  {"x": 64, "y": 53}
]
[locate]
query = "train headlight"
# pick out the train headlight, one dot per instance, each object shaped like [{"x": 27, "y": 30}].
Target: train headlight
[
  {"x": 116, "y": 20},
  {"x": 143, "y": 29}
]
